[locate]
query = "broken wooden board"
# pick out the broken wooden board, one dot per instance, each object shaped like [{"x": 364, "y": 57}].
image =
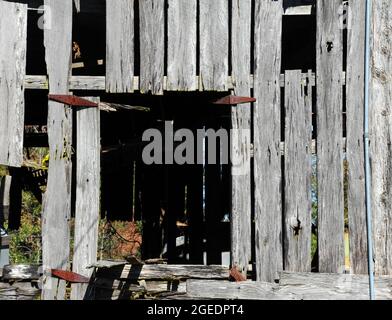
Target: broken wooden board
[
  {"x": 163, "y": 272},
  {"x": 13, "y": 42}
]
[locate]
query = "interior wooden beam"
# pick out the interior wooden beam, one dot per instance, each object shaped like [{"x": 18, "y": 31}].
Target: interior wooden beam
[{"x": 40, "y": 82}]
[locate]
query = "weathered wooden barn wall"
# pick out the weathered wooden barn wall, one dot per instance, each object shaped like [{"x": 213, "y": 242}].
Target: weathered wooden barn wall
[{"x": 300, "y": 118}]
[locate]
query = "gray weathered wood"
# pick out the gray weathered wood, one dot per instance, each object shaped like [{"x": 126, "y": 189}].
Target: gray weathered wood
[
  {"x": 57, "y": 199},
  {"x": 99, "y": 82},
  {"x": 182, "y": 36},
  {"x": 88, "y": 158},
  {"x": 329, "y": 136},
  {"x": 381, "y": 135},
  {"x": 164, "y": 272},
  {"x": 298, "y": 176},
  {"x": 152, "y": 45},
  {"x": 267, "y": 136},
  {"x": 294, "y": 286},
  {"x": 21, "y": 272},
  {"x": 241, "y": 138},
  {"x": 119, "y": 45},
  {"x": 13, "y": 30},
  {"x": 77, "y": 5},
  {"x": 334, "y": 286},
  {"x": 214, "y": 44},
  {"x": 5, "y": 186},
  {"x": 355, "y": 146},
  {"x": 213, "y": 289}
]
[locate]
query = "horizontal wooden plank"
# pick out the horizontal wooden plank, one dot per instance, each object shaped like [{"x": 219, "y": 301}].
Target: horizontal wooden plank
[
  {"x": 163, "y": 272},
  {"x": 40, "y": 82},
  {"x": 334, "y": 286},
  {"x": 294, "y": 286}
]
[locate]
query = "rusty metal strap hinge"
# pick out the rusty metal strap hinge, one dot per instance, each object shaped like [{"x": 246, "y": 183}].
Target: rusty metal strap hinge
[
  {"x": 69, "y": 276},
  {"x": 234, "y": 100},
  {"x": 71, "y": 100}
]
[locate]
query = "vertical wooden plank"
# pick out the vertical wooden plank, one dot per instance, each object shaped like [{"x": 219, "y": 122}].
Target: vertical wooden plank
[
  {"x": 241, "y": 135},
  {"x": 77, "y": 5},
  {"x": 329, "y": 136},
  {"x": 152, "y": 45},
  {"x": 355, "y": 147},
  {"x": 182, "y": 37},
  {"x": 298, "y": 176},
  {"x": 88, "y": 158},
  {"x": 57, "y": 199},
  {"x": 267, "y": 155},
  {"x": 119, "y": 46},
  {"x": 13, "y": 30},
  {"x": 381, "y": 135},
  {"x": 214, "y": 44},
  {"x": 5, "y": 190}
]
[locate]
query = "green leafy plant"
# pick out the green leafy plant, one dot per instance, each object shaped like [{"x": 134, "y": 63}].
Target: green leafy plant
[{"x": 25, "y": 244}]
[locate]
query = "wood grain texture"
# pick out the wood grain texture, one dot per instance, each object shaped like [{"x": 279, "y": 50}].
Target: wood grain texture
[
  {"x": 241, "y": 137},
  {"x": 163, "y": 272},
  {"x": 119, "y": 46},
  {"x": 298, "y": 176},
  {"x": 214, "y": 44},
  {"x": 267, "y": 138},
  {"x": 213, "y": 289},
  {"x": 329, "y": 137},
  {"x": 152, "y": 45},
  {"x": 88, "y": 174},
  {"x": 320, "y": 286},
  {"x": 294, "y": 286},
  {"x": 182, "y": 37},
  {"x": 13, "y": 36},
  {"x": 355, "y": 142},
  {"x": 57, "y": 198},
  {"x": 40, "y": 82},
  {"x": 381, "y": 135}
]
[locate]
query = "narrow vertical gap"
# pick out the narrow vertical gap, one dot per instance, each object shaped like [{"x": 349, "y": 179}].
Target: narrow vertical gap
[
  {"x": 282, "y": 186},
  {"x": 314, "y": 185},
  {"x": 344, "y": 135},
  {"x": 252, "y": 193}
]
